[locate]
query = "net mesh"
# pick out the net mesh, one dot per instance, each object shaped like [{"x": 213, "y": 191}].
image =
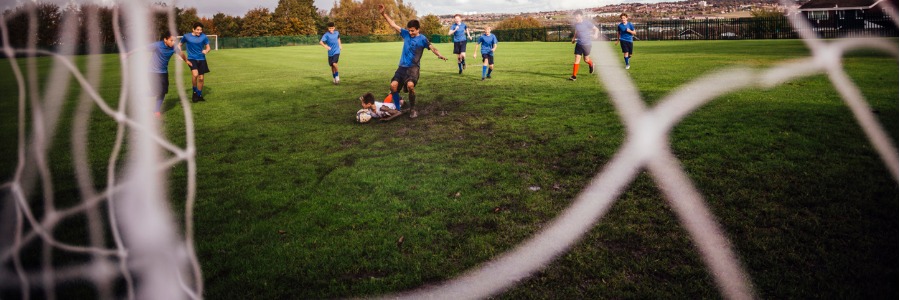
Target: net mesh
[{"x": 153, "y": 257}]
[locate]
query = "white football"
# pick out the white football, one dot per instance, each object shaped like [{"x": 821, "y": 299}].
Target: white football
[{"x": 363, "y": 116}]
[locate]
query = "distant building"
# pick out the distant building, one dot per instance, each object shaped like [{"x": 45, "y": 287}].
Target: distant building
[{"x": 846, "y": 14}]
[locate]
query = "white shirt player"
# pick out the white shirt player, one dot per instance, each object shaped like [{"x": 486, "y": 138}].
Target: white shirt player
[{"x": 380, "y": 113}]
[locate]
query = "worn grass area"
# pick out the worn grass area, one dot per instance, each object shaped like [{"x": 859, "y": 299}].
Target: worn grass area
[{"x": 297, "y": 201}]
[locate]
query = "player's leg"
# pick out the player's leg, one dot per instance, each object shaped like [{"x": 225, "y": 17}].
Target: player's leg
[
  {"x": 411, "y": 87},
  {"x": 587, "y": 59},
  {"x": 333, "y": 63},
  {"x": 484, "y": 66},
  {"x": 163, "y": 89},
  {"x": 575, "y": 67},
  {"x": 490, "y": 62},
  {"x": 200, "y": 87},
  {"x": 399, "y": 76},
  {"x": 195, "y": 74}
]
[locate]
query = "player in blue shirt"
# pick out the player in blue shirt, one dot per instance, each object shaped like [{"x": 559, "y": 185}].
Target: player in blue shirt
[
  {"x": 331, "y": 40},
  {"x": 488, "y": 43},
  {"x": 585, "y": 32},
  {"x": 408, "y": 71},
  {"x": 197, "y": 45},
  {"x": 160, "y": 54},
  {"x": 461, "y": 35},
  {"x": 625, "y": 37}
]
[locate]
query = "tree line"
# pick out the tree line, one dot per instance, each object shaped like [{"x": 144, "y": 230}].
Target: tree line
[{"x": 290, "y": 18}]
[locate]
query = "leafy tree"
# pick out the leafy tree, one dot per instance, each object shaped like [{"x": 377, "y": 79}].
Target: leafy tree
[
  {"x": 185, "y": 18},
  {"x": 295, "y": 17},
  {"x": 431, "y": 24},
  {"x": 362, "y": 18},
  {"x": 227, "y": 25},
  {"x": 518, "y": 22},
  {"x": 257, "y": 22}
]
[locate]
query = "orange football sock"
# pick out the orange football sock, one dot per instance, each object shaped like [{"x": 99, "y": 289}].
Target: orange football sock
[
  {"x": 590, "y": 62},
  {"x": 575, "y": 70}
]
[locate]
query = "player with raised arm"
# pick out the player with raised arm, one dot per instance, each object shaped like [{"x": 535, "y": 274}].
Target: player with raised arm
[
  {"x": 461, "y": 35},
  {"x": 407, "y": 73},
  {"x": 197, "y": 45},
  {"x": 585, "y": 32},
  {"x": 331, "y": 40}
]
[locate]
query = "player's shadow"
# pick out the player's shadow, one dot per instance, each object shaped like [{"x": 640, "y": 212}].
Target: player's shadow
[{"x": 548, "y": 75}]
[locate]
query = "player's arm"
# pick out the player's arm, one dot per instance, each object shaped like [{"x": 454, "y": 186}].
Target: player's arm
[
  {"x": 596, "y": 32},
  {"x": 475, "y": 53},
  {"x": 206, "y": 49},
  {"x": 453, "y": 29},
  {"x": 183, "y": 55},
  {"x": 340, "y": 46},
  {"x": 469, "y": 33},
  {"x": 618, "y": 35},
  {"x": 436, "y": 52},
  {"x": 574, "y": 35},
  {"x": 387, "y": 18},
  {"x": 322, "y": 42},
  {"x": 631, "y": 31},
  {"x": 495, "y": 46}
]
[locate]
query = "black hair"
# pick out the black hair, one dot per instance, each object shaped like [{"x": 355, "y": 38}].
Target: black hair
[
  {"x": 578, "y": 13},
  {"x": 413, "y": 24},
  {"x": 330, "y": 24},
  {"x": 197, "y": 24},
  {"x": 368, "y": 98},
  {"x": 164, "y": 35}
]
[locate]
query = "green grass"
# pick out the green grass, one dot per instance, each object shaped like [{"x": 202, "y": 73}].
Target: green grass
[{"x": 297, "y": 201}]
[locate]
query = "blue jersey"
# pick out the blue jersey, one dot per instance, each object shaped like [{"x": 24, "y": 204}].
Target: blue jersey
[
  {"x": 460, "y": 34},
  {"x": 584, "y": 32},
  {"x": 487, "y": 43},
  {"x": 160, "y": 55},
  {"x": 624, "y": 35},
  {"x": 412, "y": 48},
  {"x": 195, "y": 45},
  {"x": 331, "y": 39}
]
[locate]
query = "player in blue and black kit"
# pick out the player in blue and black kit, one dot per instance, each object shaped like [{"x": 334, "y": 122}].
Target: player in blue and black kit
[
  {"x": 488, "y": 43},
  {"x": 408, "y": 71},
  {"x": 461, "y": 35},
  {"x": 625, "y": 36},
  {"x": 331, "y": 40},
  {"x": 585, "y": 32},
  {"x": 197, "y": 48},
  {"x": 160, "y": 54}
]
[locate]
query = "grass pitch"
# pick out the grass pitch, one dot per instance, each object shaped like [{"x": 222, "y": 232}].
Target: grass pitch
[{"x": 297, "y": 201}]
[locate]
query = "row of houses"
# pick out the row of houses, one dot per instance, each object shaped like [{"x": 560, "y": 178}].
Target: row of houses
[{"x": 850, "y": 14}]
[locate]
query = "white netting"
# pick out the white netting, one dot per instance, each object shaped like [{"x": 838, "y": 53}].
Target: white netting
[{"x": 148, "y": 248}]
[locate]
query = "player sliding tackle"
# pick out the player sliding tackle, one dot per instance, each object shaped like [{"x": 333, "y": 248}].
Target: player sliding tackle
[{"x": 407, "y": 73}]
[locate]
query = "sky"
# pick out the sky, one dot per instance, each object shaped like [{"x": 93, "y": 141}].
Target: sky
[{"x": 207, "y": 8}]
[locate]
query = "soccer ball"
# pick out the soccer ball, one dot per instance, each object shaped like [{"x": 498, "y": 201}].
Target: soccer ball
[{"x": 363, "y": 116}]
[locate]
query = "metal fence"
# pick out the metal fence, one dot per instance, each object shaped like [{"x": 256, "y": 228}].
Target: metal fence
[{"x": 694, "y": 29}]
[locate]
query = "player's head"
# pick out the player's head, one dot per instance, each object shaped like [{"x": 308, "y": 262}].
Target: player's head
[
  {"x": 457, "y": 18},
  {"x": 330, "y": 27},
  {"x": 487, "y": 30},
  {"x": 624, "y": 17},
  {"x": 197, "y": 28},
  {"x": 167, "y": 38},
  {"x": 413, "y": 27},
  {"x": 579, "y": 16},
  {"x": 367, "y": 100}
]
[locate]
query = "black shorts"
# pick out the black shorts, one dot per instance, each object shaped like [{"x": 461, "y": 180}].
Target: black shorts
[
  {"x": 334, "y": 59},
  {"x": 583, "y": 50},
  {"x": 160, "y": 85},
  {"x": 199, "y": 65},
  {"x": 489, "y": 57},
  {"x": 406, "y": 74},
  {"x": 627, "y": 47},
  {"x": 459, "y": 47}
]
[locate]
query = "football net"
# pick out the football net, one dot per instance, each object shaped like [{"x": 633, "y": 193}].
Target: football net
[{"x": 153, "y": 257}]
